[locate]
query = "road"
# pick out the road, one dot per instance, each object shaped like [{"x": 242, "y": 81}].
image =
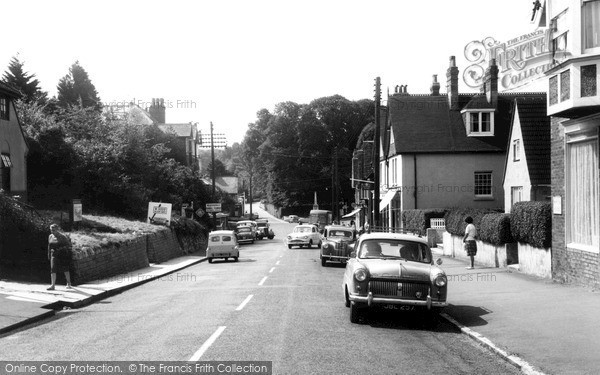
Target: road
[{"x": 275, "y": 304}]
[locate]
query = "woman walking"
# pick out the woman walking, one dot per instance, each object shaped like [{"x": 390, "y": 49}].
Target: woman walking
[
  {"x": 59, "y": 253},
  {"x": 469, "y": 241}
]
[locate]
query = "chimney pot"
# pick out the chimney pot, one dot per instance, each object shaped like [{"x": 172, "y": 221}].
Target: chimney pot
[{"x": 435, "y": 86}]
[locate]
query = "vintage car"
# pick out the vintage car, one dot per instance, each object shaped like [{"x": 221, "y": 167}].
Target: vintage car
[
  {"x": 304, "y": 235},
  {"x": 337, "y": 241},
  {"x": 264, "y": 229},
  {"x": 222, "y": 244},
  {"x": 292, "y": 219},
  {"x": 251, "y": 224},
  {"x": 395, "y": 271},
  {"x": 245, "y": 234}
]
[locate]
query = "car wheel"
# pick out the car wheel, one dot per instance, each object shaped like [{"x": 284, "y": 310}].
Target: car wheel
[
  {"x": 209, "y": 260},
  {"x": 309, "y": 244},
  {"x": 252, "y": 241},
  {"x": 226, "y": 259},
  {"x": 356, "y": 312},
  {"x": 319, "y": 245},
  {"x": 289, "y": 246},
  {"x": 235, "y": 259},
  {"x": 323, "y": 262}
]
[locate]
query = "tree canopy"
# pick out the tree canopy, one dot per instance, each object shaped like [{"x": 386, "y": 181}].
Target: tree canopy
[
  {"x": 26, "y": 83},
  {"x": 76, "y": 89}
]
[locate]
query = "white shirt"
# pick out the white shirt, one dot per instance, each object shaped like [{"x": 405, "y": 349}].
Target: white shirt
[{"x": 471, "y": 232}]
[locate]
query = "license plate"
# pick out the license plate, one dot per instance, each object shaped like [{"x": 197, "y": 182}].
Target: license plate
[{"x": 391, "y": 307}]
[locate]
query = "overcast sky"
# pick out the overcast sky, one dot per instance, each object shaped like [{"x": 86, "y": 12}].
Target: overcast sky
[{"x": 222, "y": 61}]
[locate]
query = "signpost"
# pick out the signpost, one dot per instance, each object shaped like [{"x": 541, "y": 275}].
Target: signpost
[
  {"x": 213, "y": 207},
  {"x": 159, "y": 213}
]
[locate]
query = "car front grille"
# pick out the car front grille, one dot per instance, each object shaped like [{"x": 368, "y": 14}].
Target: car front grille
[{"x": 398, "y": 289}]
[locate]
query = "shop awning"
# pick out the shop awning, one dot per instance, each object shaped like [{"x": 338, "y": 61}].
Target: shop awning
[
  {"x": 387, "y": 198},
  {"x": 352, "y": 213}
]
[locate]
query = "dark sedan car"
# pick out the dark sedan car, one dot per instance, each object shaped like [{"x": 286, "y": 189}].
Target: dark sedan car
[{"x": 336, "y": 246}]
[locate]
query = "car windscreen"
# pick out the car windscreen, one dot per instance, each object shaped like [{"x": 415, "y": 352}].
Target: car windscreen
[
  {"x": 302, "y": 230},
  {"x": 262, "y": 225},
  {"x": 340, "y": 233},
  {"x": 244, "y": 229},
  {"x": 395, "y": 249}
]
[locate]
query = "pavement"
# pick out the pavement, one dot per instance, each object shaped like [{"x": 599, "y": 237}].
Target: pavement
[{"x": 539, "y": 326}]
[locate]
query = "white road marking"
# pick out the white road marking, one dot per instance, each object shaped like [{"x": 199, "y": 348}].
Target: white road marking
[
  {"x": 263, "y": 280},
  {"x": 277, "y": 263},
  {"x": 271, "y": 270},
  {"x": 207, "y": 344},
  {"x": 241, "y": 306}
]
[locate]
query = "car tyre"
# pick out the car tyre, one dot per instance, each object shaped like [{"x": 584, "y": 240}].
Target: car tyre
[
  {"x": 235, "y": 259},
  {"x": 356, "y": 312},
  {"x": 323, "y": 262},
  {"x": 209, "y": 260},
  {"x": 309, "y": 244},
  {"x": 346, "y": 297},
  {"x": 289, "y": 246},
  {"x": 319, "y": 245}
]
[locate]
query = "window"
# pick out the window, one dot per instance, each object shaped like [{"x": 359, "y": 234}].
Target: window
[
  {"x": 553, "y": 90},
  {"x": 588, "y": 81},
  {"x": 4, "y": 108},
  {"x": 583, "y": 211},
  {"x": 5, "y": 167},
  {"x": 591, "y": 24},
  {"x": 516, "y": 150},
  {"x": 565, "y": 85},
  {"x": 516, "y": 194},
  {"x": 480, "y": 123},
  {"x": 483, "y": 184}
]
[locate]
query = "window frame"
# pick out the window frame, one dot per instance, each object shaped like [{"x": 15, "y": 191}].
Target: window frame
[
  {"x": 480, "y": 121},
  {"x": 516, "y": 149},
  {"x": 4, "y": 108},
  {"x": 584, "y": 48},
  {"x": 477, "y": 185}
]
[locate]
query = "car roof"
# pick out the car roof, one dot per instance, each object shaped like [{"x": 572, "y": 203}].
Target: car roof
[
  {"x": 221, "y": 232},
  {"x": 246, "y": 222},
  {"x": 392, "y": 236},
  {"x": 338, "y": 227},
  {"x": 305, "y": 225}
]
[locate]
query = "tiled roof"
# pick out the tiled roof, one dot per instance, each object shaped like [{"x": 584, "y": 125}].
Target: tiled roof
[
  {"x": 9, "y": 90},
  {"x": 131, "y": 112},
  {"x": 535, "y": 129},
  {"x": 181, "y": 130},
  {"x": 425, "y": 123}
]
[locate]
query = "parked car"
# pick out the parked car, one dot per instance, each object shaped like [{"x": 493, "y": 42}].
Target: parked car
[
  {"x": 245, "y": 234},
  {"x": 251, "y": 224},
  {"x": 222, "y": 244},
  {"x": 304, "y": 235},
  {"x": 264, "y": 229},
  {"x": 292, "y": 219},
  {"x": 395, "y": 271},
  {"x": 337, "y": 241}
]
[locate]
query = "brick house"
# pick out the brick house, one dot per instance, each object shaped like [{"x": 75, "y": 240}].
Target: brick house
[
  {"x": 574, "y": 107},
  {"x": 527, "y": 166},
  {"x": 446, "y": 150},
  {"x": 13, "y": 146}
]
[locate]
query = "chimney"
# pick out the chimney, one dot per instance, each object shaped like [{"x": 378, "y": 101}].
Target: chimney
[
  {"x": 435, "y": 86},
  {"x": 452, "y": 84},
  {"x": 157, "y": 110},
  {"x": 490, "y": 83}
]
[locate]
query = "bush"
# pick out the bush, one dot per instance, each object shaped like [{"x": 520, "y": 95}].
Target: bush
[
  {"x": 455, "y": 219},
  {"x": 421, "y": 219},
  {"x": 184, "y": 226},
  {"x": 495, "y": 229},
  {"x": 531, "y": 222}
]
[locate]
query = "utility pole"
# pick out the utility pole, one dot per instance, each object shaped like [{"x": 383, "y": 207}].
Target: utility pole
[
  {"x": 212, "y": 156},
  {"x": 376, "y": 146}
]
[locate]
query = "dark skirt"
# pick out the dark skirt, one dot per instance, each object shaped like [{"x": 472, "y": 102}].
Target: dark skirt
[
  {"x": 471, "y": 248},
  {"x": 59, "y": 261}
]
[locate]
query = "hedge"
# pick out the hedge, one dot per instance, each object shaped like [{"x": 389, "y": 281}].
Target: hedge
[
  {"x": 495, "y": 229},
  {"x": 421, "y": 219},
  {"x": 455, "y": 219},
  {"x": 531, "y": 222}
]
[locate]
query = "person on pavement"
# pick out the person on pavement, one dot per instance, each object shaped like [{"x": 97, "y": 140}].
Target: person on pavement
[
  {"x": 59, "y": 254},
  {"x": 470, "y": 241}
]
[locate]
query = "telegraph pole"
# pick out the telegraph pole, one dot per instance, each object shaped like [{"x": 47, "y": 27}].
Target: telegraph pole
[
  {"x": 376, "y": 156},
  {"x": 212, "y": 156}
]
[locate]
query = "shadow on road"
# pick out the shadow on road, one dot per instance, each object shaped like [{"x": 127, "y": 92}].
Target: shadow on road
[
  {"x": 408, "y": 320},
  {"x": 468, "y": 315}
]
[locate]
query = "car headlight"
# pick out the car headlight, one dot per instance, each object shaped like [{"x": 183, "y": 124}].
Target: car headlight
[
  {"x": 360, "y": 274},
  {"x": 441, "y": 280},
  {"x": 305, "y": 237},
  {"x": 325, "y": 246},
  {"x": 289, "y": 237}
]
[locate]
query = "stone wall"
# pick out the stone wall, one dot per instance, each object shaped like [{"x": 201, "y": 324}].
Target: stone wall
[
  {"x": 535, "y": 261},
  {"x": 163, "y": 246},
  {"x": 487, "y": 254}
]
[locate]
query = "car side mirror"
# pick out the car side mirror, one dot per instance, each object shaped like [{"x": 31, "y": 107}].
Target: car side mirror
[
  {"x": 353, "y": 254},
  {"x": 439, "y": 261}
]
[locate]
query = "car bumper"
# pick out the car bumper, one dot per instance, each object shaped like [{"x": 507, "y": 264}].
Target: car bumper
[
  {"x": 245, "y": 239},
  {"x": 371, "y": 300},
  {"x": 298, "y": 242},
  {"x": 223, "y": 255},
  {"x": 335, "y": 258}
]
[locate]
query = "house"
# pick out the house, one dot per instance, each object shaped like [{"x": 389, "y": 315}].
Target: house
[
  {"x": 574, "y": 107},
  {"x": 446, "y": 150},
  {"x": 527, "y": 163},
  {"x": 13, "y": 146},
  {"x": 185, "y": 147}
]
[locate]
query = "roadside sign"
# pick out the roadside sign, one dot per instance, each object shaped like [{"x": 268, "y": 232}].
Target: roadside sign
[
  {"x": 200, "y": 212},
  {"x": 213, "y": 207},
  {"x": 159, "y": 213}
]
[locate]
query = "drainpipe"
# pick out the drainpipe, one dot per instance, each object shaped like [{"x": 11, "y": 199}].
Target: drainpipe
[{"x": 415, "y": 170}]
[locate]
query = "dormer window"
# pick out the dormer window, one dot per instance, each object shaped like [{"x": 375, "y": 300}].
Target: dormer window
[
  {"x": 480, "y": 123},
  {"x": 4, "y": 108}
]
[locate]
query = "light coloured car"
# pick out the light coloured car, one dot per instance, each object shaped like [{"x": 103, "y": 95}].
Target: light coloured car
[
  {"x": 222, "y": 244},
  {"x": 337, "y": 241},
  {"x": 292, "y": 219},
  {"x": 251, "y": 224},
  {"x": 304, "y": 235},
  {"x": 394, "y": 271}
]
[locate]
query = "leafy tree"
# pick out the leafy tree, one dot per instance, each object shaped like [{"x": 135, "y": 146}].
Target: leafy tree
[
  {"x": 77, "y": 90},
  {"x": 26, "y": 83}
]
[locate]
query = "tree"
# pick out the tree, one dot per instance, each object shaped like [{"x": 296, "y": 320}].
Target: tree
[
  {"x": 26, "y": 83},
  {"x": 77, "y": 90}
]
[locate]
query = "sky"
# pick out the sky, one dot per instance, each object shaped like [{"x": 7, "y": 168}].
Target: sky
[{"x": 223, "y": 61}]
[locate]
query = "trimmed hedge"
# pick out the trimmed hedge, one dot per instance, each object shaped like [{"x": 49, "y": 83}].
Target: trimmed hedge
[
  {"x": 455, "y": 219},
  {"x": 531, "y": 222},
  {"x": 495, "y": 229},
  {"x": 421, "y": 219}
]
